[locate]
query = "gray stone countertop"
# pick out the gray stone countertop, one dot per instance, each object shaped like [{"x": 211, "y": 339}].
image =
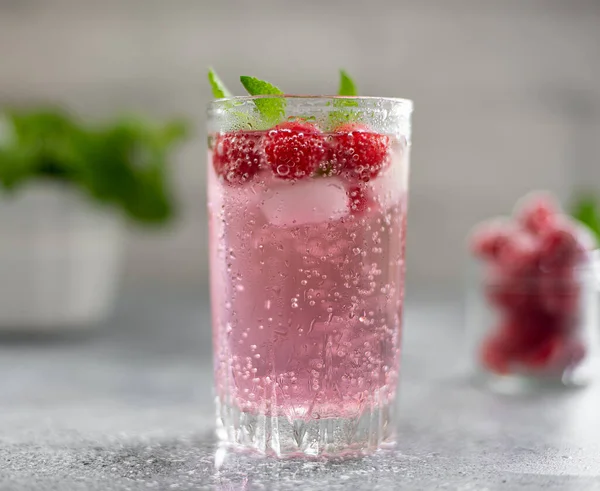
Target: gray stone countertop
[{"x": 129, "y": 407}]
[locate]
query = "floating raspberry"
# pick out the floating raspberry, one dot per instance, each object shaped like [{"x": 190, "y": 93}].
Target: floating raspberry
[
  {"x": 237, "y": 156},
  {"x": 360, "y": 199},
  {"x": 360, "y": 153},
  {"x": 294, "y": 149}
]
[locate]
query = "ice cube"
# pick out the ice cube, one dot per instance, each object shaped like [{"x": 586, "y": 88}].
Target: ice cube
[
  {"x": 389, "y": 187},
  {"x": 311, "y": 201}
]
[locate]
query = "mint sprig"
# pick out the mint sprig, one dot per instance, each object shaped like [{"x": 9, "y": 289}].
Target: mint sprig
[
  {"x": 272, "y": 109},
  {"x": 347, "y": 85},
  {"x": 219, "y": 90},
  {"x": 344, "y": 114}
]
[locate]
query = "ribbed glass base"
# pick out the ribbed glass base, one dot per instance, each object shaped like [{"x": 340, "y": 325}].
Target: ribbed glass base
[{"x": 280, "y": 436}]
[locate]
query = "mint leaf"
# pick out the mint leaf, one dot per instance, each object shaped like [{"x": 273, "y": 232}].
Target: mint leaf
[
  {"x": 220, "y": 91},
  {"x": 347, "y": 85},
  {"x": 344, "y": 114},
  {"x": 272, "y": 109},
  {"x": 218, "y": 87}
]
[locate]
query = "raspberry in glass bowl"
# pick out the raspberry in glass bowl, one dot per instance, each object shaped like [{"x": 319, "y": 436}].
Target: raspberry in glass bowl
[{"x": 533, "y": 309}]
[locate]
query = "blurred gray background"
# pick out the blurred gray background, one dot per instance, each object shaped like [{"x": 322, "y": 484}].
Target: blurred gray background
[{"x": 507, "y": 94}]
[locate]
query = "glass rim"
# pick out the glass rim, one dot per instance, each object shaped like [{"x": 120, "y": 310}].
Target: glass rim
[{"x": 408, "y": 103}]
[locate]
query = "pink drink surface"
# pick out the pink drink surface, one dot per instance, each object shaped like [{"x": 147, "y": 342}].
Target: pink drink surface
[{"x": 307, "y": 293}]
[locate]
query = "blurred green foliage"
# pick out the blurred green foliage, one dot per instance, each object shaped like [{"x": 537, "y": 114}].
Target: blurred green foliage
[
  {"x": 123, "y": 163},
  {"x": 585, "y": 209}
]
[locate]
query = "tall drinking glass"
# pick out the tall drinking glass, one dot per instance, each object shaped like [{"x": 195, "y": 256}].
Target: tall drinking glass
[{"x": 307, "y": 219}]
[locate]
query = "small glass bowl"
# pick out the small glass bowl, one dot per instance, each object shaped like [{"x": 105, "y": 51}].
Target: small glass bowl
[{"x": 534, "y": 330}]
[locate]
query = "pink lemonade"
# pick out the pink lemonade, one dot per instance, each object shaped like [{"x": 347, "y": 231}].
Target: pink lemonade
[{"x": 307, "y": 282}]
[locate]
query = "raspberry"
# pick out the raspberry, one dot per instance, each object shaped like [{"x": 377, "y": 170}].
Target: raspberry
[
  {"x": 237, "y": 156},
  {"x": 511, "y": 279},
  {"x": 560, "y": 292},
  {"x": 359, "y": 199},
  {"x": 537, "y": 212},
  {"x": 519, "y": 252},
  {"x": 555, "y": 351},
  {"x": 526, "y": 331},
  {"x": 488, "y": 239},
  {"x": 512, "y": 292},
  {"x": 532, "y": 278},
  {"x": 544, "y": 352},
  {"x": 507, "y": 290},
  {"x": 360, "y": 153},
  {"x": 559, "y": 246},
  {"x": 294, "y": 149},
  {"x": 494, "y": 356}
]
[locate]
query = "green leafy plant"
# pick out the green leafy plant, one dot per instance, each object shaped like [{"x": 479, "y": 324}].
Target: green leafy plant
[
  {"x": 123, "y": 163},
  {"x": 586, "y": 209}
]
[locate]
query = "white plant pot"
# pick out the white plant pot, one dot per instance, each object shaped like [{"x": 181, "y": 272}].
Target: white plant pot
[{"x": 60, "y": 258}]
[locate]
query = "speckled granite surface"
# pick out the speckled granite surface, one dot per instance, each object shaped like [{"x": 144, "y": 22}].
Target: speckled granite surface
[{"x": 129, "y": 407}]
